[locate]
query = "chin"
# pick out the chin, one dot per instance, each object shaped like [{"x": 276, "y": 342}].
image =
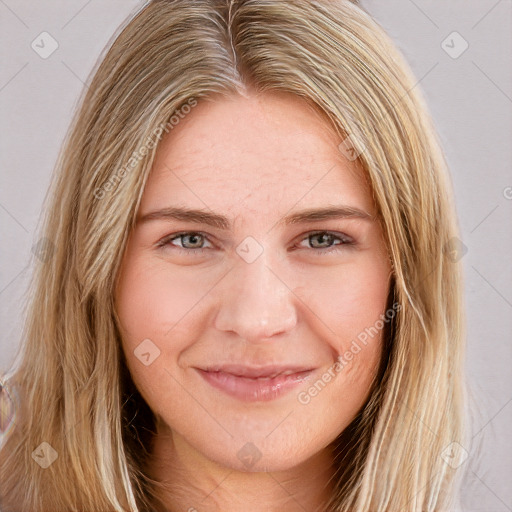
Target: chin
[{"x": 257, "y": 456}]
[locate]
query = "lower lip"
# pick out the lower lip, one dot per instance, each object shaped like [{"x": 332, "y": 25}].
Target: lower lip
[{"x": 254, "y": 390}]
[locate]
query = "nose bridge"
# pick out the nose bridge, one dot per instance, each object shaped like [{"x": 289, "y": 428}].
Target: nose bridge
[{"x": 256, "y": 303}]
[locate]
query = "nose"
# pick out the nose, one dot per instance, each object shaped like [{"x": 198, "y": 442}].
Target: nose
[{"x": 257, "y": 304}]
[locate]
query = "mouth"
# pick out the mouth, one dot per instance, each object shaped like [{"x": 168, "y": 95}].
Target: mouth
[{"x": 253, "y": 384}]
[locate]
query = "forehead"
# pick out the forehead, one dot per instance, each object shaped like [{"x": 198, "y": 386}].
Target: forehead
[{"x": 263, "y": 151}]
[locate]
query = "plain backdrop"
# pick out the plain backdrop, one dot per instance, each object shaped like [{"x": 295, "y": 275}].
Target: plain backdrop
[{"x": 460, "y": 52}]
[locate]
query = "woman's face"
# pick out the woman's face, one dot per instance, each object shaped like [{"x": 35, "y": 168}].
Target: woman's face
[{"x": 252, "y": 326}]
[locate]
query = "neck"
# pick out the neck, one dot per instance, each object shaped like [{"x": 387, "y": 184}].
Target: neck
[{"x": 191, "y": 482}]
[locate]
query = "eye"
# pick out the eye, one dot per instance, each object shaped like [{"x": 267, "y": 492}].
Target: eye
[
  {"x": 323, "y": 242},
  {"x": 326, "y": 242},
  {"x": 190, "y": 241}
]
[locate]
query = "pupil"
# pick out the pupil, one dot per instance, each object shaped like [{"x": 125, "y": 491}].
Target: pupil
[
  {"x": 193, "y": 237},
  {"x": 322, "y": 237}
]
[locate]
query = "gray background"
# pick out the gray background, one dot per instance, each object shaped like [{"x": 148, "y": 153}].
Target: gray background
[{"x": 470, "y": 98}]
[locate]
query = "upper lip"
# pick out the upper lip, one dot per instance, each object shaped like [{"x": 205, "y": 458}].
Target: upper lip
[{"x": 256, "y": 372}]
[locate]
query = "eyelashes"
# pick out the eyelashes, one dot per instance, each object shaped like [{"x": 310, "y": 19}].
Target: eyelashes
[{"x": 338, "y": 242}]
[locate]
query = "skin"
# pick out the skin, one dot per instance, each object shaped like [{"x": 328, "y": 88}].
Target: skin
[{"x": 254, "y": 159}]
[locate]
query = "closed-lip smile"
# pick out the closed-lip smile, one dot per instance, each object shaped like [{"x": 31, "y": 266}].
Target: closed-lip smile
[{"x": 251, "y": 383}]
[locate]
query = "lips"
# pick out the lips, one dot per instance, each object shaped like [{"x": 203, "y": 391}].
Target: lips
[
  {"x": 257, "y": 372},
  {"x": 255, "y": 383}
]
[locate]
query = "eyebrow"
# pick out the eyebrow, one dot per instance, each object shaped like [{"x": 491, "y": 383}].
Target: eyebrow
[{"x": 222, "y": 222}]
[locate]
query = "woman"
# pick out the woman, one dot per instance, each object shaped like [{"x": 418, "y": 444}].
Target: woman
[{"x": 251, "y": 301}]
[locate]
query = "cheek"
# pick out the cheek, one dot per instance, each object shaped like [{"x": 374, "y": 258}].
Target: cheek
[
  {"x": 353, "y": 307},
  {"x": 153, "y": 308},
  {"x": 153, "y": 302},
  {"x": 160, "y": 314},
  {"x": 352, "y": 304},
  {"x": 350, "y": 299}
]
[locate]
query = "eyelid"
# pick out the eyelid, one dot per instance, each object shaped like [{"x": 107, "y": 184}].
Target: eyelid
[{"x": 171, "y": 237}]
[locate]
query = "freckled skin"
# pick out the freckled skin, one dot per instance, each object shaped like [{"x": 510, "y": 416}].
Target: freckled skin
[{"x": 253, "y": 160}]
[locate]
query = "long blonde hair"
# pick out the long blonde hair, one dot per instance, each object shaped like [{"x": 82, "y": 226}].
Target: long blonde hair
[{"x": 72, "y": 389}]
